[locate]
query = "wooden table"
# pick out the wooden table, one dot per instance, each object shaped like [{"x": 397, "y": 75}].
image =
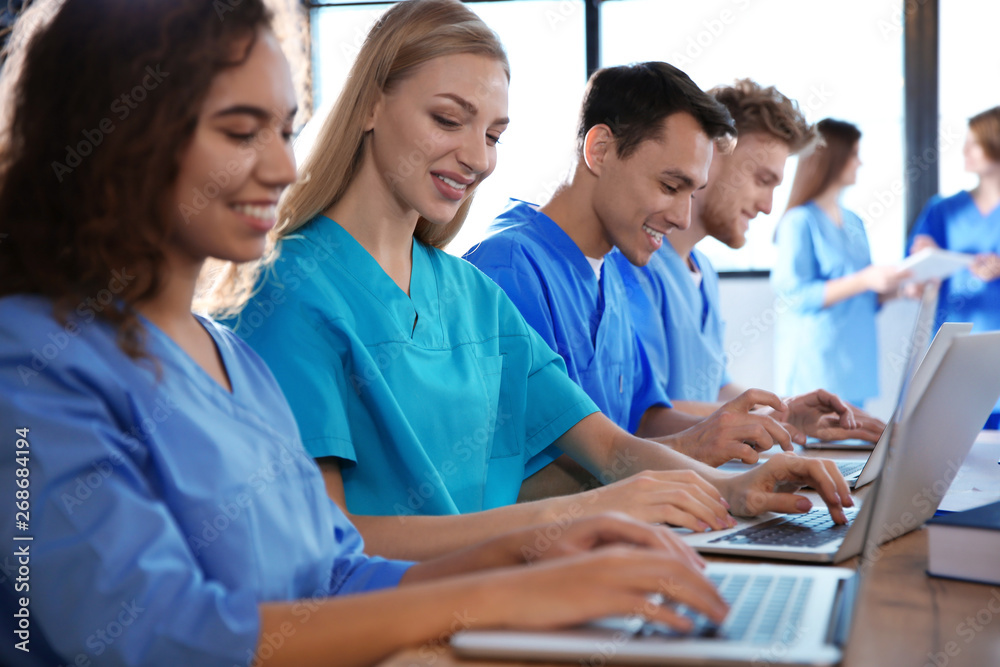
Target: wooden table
[{"x": 904, "y": 618}]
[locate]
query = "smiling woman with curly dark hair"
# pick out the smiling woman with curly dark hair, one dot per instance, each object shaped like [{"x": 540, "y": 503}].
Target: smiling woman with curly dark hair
[{"x": 81, "y": 200}]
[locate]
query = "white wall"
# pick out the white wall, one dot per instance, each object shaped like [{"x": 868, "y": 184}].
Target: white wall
[{"x": 750, "y": 308}]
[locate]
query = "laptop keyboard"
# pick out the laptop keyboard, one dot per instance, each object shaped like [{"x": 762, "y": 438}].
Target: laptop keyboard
[
  {"x": 812, "y": 529},
  {"x": 763, "y": 609},
  {"x": 851, "y": 468}
]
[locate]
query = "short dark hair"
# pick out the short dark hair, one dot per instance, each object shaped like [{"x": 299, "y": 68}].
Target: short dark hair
[
  {"x": 73, "y": 219},
  {"x": 633, "y": 100}
]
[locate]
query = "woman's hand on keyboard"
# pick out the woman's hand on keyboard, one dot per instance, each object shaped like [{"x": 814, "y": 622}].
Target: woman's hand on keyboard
[
  {"x": 616, "y": 580},
  {"x": 771, "y": 487},
  {"x": 676, "y": 497}
]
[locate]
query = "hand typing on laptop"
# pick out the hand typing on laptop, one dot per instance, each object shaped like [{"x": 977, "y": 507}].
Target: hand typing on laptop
[
  {"x": 608, "y": 564},
  {"x": 771, "y": 486},
  {"x": 823, "y": 415}
]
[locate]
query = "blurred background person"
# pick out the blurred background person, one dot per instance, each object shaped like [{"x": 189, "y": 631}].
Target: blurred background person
[
  {"x": 827, "y": 337},
  {"x": 969, "y": 221}
]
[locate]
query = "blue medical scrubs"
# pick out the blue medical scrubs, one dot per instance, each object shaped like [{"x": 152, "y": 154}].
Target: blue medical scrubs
[
  {"x": 586, "y": 320},
  {"x": 679, "y": 322},
  {"x": 434, "y": 402},
  {"x": 955, "y": 223},
  {"x": 163, "y": 509},
  {"x": 834, "y": 347}
]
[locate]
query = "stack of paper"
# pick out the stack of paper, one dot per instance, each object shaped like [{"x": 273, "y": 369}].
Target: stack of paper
[{"x": 932, "y": 263}]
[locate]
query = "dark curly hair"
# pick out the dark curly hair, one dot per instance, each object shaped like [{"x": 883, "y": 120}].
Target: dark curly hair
[{"x": 104, "y": 104}]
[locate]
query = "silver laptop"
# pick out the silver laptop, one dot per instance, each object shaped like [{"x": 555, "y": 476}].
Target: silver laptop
[
  {"x": 779, "y": 614},
  {"x": 934, "y": 435},
  {"x": 923, "y": 328},
  {"x": 860, "y": 473}
]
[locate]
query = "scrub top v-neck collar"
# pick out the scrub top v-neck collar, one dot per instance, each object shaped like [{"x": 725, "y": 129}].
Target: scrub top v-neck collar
[
  {"x": 404, "y": 309},
  {"x": 198, "y": 375},
  {"x": 983, "y": 217},
  {"x": 550, "y": 232}
]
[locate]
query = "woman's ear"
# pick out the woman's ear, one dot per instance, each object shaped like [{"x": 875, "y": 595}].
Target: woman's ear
[
  {"x": 596, "y": 144},
  {"x": 375, "y": 112}
]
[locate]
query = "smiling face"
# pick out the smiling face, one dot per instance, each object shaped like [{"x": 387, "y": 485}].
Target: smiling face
[
  {"x": 238, "y": 161},
  {"x": 434, "y": 135},
  {"x": 639, "y": 198},
  {"x": 741, "y": 185}
]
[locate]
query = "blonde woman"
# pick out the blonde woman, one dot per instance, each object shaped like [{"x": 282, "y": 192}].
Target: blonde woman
[{"x": 415, "y": 382}]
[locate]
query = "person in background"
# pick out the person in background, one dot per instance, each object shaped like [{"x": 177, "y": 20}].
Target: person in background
[
  {"x": 970, "y": 222},
  {"x": 414, "y": 380},
  {"x": 823, "y": 270},
  {"x": 172, "y": 515},
  {"x": 674, "y": 299}
]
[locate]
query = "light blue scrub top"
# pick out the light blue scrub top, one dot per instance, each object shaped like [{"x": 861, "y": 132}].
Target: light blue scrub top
[
  {"x": 162, "y": 513},
  {"x": 587, "y": 322},
  {"x": 955, "y": 223},
  {"x": 679, "y": 323},
  {"x": 434, "y": 402},
  {"x": 836, "y": 347}
]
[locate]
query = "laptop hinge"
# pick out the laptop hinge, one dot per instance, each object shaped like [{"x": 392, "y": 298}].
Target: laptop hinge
[{"x": 843, "y": 610}]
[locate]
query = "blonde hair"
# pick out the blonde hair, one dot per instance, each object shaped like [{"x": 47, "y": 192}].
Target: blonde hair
[{"x": 408, "y": 35}]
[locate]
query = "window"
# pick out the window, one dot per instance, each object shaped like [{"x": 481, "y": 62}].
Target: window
[
  {"x": 545, "y": 45},
  {"x": 969, "y": 58},
  {"x": 842, "y": 60}
]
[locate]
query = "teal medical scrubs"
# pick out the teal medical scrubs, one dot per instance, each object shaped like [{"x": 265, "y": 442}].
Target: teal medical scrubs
[
  {"x": 832, "y": 347},
  {"x": 955, "y": 223},
  {"x": 162, "y": 509},
  {"x": 679, "y": 322},
  {"x": 585, "y": 319},
  {"x": 435, "y": 402}
]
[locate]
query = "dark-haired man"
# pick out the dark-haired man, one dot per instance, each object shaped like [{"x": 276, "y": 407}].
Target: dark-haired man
[
  {"x": 675, "y": 297},
  {"x": 646, "y": 139}
]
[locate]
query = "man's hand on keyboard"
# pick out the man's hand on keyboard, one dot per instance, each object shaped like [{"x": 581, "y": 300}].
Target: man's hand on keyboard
[{"x": 772, "y": 486}]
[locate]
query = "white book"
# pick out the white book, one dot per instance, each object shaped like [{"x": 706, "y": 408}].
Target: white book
[
  {"x": 966, "y": 545},
  {"x": 932, "y": 263}
]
